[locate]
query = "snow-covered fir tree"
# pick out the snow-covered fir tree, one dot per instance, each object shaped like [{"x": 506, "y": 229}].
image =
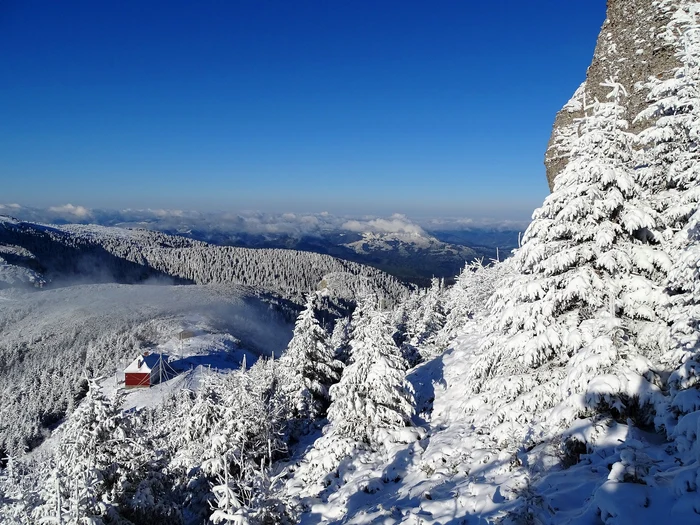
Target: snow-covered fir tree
[
  {"x": 671, "y": 154},
  {"x": 404, "y": 318},
  {"x": 92, "y": 461},
  {"x": 418, "y": 321},
  {"x": 372, "y": 396},
  {"x": 684, "y": 286},
  {"x": 407, "y": 316},
  {"x": 429, "y": 319},
  {"x": 672, "y": 173},
  {"x": 682, "y": 421},
  {"x": 245, "y": 440},
  {"x": 340, "y": 339},
  {"x": 311, "y": 363},
  {"x": 469, "y": 295},
  {"x": 581, "y": 319}
]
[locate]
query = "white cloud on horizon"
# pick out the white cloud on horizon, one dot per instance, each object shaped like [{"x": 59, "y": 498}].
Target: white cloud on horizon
[
  {"x": 397, "y": 223},
  {"x": 253, "y": 222},
  {"x": 68, "y": 209},
  {"x": 467, "y": 223}
]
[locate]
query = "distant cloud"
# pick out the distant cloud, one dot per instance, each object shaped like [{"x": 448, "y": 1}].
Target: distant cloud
[
  {"x": 251, "y": 222},
  {"x": 168, "y": 213},
  {"x": 466, "y": 223},
  {"x": 397, "y": 223},
  {"x": 69, "y": 209}
]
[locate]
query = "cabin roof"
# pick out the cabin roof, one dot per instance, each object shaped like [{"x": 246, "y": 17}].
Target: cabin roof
[{"x": 143, "y": 364}]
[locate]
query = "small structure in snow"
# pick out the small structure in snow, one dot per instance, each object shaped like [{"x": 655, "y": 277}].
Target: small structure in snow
[
  {"x": 185, "y": 334},
  {"x": 144, "y": 371}
]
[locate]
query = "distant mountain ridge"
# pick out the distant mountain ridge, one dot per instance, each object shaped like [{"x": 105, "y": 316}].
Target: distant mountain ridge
[
  {"x": 396, "y": 245},
  {"x": 111, "y": 296},
  {"x": 109, "y": 254}
]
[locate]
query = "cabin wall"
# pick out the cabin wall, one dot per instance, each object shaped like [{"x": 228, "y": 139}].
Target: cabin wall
[{"x": 135, "y": 380}]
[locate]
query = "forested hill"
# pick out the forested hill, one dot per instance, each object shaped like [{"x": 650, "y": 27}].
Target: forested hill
[
  {"x": 52, "y": 338},
  {"x": 104, "y": 254}
]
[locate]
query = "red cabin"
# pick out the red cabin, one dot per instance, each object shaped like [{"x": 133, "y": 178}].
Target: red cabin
[{"x": 144, "y": 371}]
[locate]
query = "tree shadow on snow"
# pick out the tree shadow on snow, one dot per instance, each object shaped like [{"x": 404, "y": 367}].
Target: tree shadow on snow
[
  {"x": 423, "y": 378},
  {"x": 573, "y": 475},
  {"x": 217, "y": 360}
]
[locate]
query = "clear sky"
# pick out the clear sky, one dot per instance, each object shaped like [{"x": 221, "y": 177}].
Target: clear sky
[{"x": 350, "y": 106}]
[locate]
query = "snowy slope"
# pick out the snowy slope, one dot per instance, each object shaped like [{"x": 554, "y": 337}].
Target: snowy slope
[
  {"x": 18, "y": 267},
  {"x": 52, "y": 339},
  {"x": 455, "y": 475},
  {"x": 449, "y": 474},
  {"x": 94, "y": 253},
  {"x": 413, "y": 253},
  {"x": 12, "y": 275},
  {"x": 401, "y": 241}
]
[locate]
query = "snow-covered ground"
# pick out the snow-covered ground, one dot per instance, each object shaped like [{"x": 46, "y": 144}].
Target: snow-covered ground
[
  {"x": 448, "y": 474},
  {"x": 95, "y": 309},
  {"x": 454, "y": 475},
  {"x": 53, "y": 339},
  {"x": 186, "y": 363},
  {"x": 13, "y": 275}
]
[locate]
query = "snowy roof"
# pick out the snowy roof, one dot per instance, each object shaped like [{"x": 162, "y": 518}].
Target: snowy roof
[{"x": 143, "y": 364}]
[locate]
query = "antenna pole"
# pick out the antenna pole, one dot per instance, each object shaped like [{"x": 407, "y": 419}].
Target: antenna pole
[{"x": 58, "y": 500}]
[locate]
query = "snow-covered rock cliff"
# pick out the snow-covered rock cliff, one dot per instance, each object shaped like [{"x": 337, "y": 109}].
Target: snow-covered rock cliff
[{"x": 635, "y": 43}]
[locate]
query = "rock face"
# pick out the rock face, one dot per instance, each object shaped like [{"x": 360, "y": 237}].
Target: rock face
[{"x": 632, "y": 46}]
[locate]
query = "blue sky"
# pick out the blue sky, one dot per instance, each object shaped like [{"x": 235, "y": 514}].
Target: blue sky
[{"x": 423, "y": 108}]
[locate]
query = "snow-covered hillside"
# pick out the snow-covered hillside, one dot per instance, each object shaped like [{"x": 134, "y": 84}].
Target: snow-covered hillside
[
  {"x": 413, "y": 254},
  {"x": 403, "y": 242},
  {"x": 91, "y": 253},
  {"x": 559, "y": 386},
  {"x": 395, "y": 244},
  {"x": 53, "y": 339},
  {"x": 452, "y": 474},
  {"x": 13, "y": 276}
]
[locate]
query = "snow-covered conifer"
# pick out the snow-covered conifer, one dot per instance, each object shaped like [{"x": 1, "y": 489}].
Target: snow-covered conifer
[
  {"x": 86, "y": 461},
  {"x": 671, "y": 157},
  {"x": 684, "y": 303},
  {"x": 410, "y": 314},
  {"x": 469, "y": 295},
  {"x": 193, "y": 418},
  {"x": 672, "y": 175},
  {"x": 431, "y": 318},
  {"x": 243, "y": 444},
  {"x": 340, "y": 339},
  {"x": 311, "y": 363},
  {"x": 586, "y": 309},
  {"x": 373, "y": 395}
]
